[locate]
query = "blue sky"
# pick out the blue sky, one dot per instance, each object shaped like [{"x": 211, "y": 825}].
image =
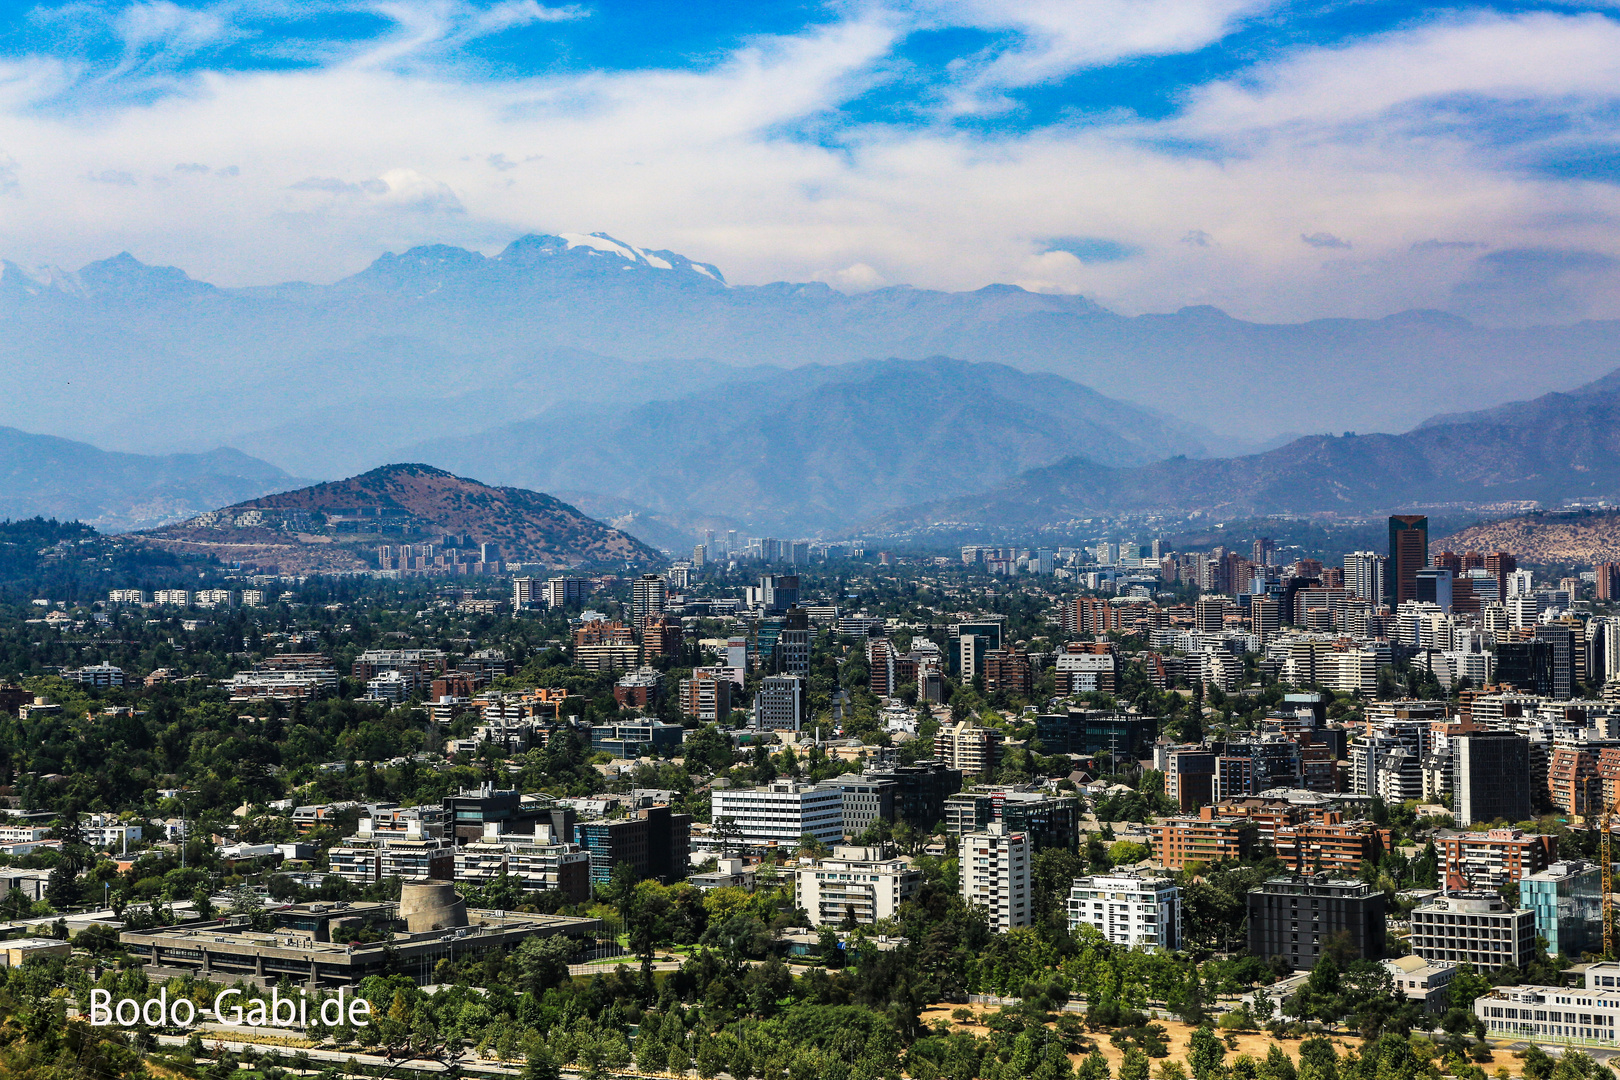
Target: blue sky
[{"x": 1284, "y": 161}]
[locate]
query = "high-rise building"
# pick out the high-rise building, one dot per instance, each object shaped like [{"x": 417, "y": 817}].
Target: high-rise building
[
  {"x": 1264, "y": 618},
  {"x": 566, "y": 591},
  {"x": 1209, "y": 614},
  {"x": 1561, "y": 639},
  {"x": 1500, "y": 565},
  {"x": 1608, "y": 580},
  {"x": 792, "y": 656},
  {"x": 1008, "y": 671},
  {"x": 1603, "y": 650},
  {"x": 1527, "y": 666},
  {"x": 994, "y": 868},
  {"x": 1434, "y": 586},
  {"x": 1131, "y": 910},
  {"x": 1567, "y": 898},
  {"x": 968, "y": 748},
  {"x": 779, "y": 703},
  {"x": 778, "y": 592},
  {"x": 1408, "y": 553},
  {"x": 1491, "y": 777},
  {"x": 648, "y": 596},
  {"x": 706, "y": 696}
]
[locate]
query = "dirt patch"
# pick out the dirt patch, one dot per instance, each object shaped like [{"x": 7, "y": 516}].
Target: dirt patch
[{"x": 1254, "y": 1043}]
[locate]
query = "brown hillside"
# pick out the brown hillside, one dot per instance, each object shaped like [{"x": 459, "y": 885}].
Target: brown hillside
[
  {"x": 1581, "y": 538},
  {"x": 336, "y": 527}
]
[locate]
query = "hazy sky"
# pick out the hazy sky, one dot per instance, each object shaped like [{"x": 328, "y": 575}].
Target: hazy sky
[{"x": 1284, "y": 161}]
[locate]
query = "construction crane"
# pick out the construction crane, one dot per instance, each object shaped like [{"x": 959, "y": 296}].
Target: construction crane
[{"x": 1605, "y": 860}]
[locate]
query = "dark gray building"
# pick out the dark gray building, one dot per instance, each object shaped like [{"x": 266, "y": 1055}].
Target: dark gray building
[
  {"x": 921, "y": 789},
  {"x": 1561, "y": 639},
  {"x": 1080, "y": 731},
  {"x": 1296, "y": 917},
  {"x": 1049, "y": 822},
  {"x": 867, "y": 798},
  {"x": 1527, "y": 666},
  {"x": 1491, "y": 777}
]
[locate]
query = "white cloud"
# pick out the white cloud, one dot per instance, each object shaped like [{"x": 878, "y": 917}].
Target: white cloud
[
  {"x": 857, "y": 277},
  {"x": 333, "y": 165}
]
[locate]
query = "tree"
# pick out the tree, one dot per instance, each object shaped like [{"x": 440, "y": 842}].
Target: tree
[
  {"x": 1205, "y": 1052},
  {"x": 1134, "y": 1065},
  {"x": 62, "y": 887},
  {"x": 1094, "y": 1067},
  {"x": 1467, "y": 985}
]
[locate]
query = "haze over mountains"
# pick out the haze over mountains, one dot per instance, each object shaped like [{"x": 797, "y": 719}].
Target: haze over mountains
[
  {"x": 49, "y": 477},
  {"x": 642, "y": 384},
  {"x": 1557, "y": 447}
]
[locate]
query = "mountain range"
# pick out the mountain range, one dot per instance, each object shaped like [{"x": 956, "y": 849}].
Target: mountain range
[
  {"x": 44, "y": 476},
  {"x": 1557, "y": 447},
  {"x": 439, "y": 341},
  {"x": 816, "y": 448},
  {"x": 337, "y": 527},
  {"x": 653, "y": 392}
]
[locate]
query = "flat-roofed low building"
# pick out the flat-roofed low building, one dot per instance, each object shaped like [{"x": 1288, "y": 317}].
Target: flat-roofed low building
[
  {"x": 1550, "y": 1014},
  {"x": 18, "y": 951},
  {"x": 310, "y": 944},
  {"x": 1422, "y": 982}
]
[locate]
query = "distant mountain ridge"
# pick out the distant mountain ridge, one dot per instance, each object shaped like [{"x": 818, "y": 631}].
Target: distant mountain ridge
[
  {"x": 1555, "y": 448},
  {"x": 41, "y": 475},
  {"x": 817, "y": 448},
  {"x": 126, "y": 344},
  {"x": 321, "y": 528}
]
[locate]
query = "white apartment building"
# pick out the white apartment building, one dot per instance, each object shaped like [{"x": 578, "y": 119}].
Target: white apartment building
[
  {"x": 370, "y": 856},
  {"x": 173, "y": 597},
  {"x": 126, "y": 596},
  {"x": 781, "y": 813},
  {"x": 96, "y": 675},
  {"x": 1130, "y": 909},
  {"x": 537, "y": 862},
  {"x": 863, "y": 884},
  {"x": 995, "y": 873}
]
